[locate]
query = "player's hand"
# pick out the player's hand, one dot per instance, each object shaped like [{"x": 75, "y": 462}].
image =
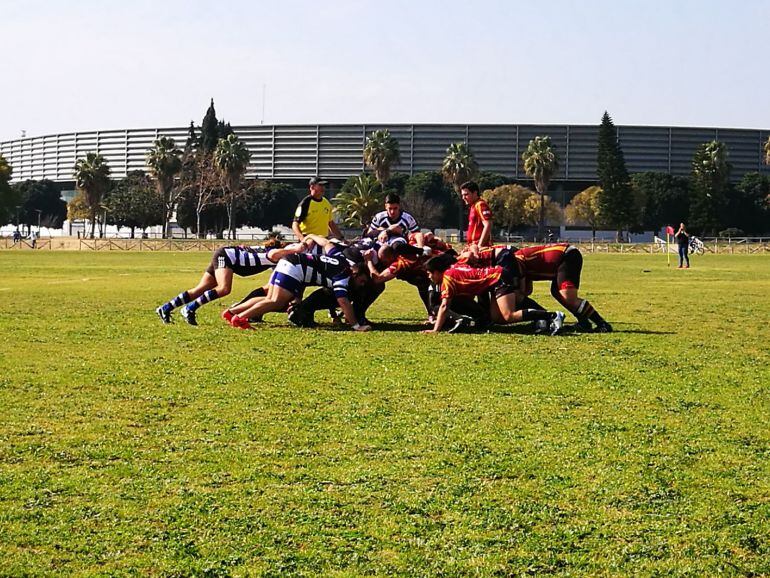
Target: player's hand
[
  {"x": 383, "y": 236},
  {"x": 427, "y": 251},
  {"x": 428, "y": 331}
]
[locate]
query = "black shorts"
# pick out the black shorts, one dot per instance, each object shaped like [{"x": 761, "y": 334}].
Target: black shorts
[
  {"x": 508, "y": 283},
  {"x": 568, "y": 272}
]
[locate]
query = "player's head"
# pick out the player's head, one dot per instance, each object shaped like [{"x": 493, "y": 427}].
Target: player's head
[
  {"x": 469, "y": 191},
  {"x": 393, "y": 205},
  {"x": 437, "y": 265},
  {"x": 359, "y": 275},
  {"x": 317, "y": 187},
  {"x": 386, "y": 255},
  {"x": 273, "y": 243}
]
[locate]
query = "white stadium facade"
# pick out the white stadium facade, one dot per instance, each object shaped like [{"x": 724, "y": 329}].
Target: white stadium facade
[{"x": 292, "y": 153}]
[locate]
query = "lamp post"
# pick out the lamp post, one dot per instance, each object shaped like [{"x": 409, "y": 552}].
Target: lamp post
[{"x": 39, "y": 214}]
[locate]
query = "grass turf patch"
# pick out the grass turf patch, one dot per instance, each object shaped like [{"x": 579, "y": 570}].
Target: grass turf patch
[{"x": 132, "y": 448}]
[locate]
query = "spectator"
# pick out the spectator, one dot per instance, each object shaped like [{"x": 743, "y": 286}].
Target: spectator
[{"x": 683, "y": 240}]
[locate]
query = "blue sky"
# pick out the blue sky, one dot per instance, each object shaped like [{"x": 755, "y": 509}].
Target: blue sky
[{"x": 85, "y": 65}]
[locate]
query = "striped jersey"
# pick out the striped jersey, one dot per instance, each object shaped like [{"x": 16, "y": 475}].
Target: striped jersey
[
  {"x": 462, "y": 280},
  {"x": 542, "y": 261},
  {"x": 328, "y": 271},
  {"x": 241, "y": 256},
  {"x": 382, "y": 221}
]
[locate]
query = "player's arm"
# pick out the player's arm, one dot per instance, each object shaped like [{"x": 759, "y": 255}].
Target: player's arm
[
  {"x": 276, "y": 255},
  {"x": 297, "y": 232},
  {"x": 440, "y": 316},
  {"x": 486, "y": 234},
  {"x": 335, "y": 230},
  {"x": 376, "y": 276},
  {"x": 350, "y": 316}
]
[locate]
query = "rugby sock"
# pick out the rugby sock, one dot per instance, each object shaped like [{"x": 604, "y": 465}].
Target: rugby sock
[
  {"x": 209, "y": 295},
  {"x": 586, "y": 311},
  {"x": 178, "y": 301},
  {"x": 530, "y": 303},
  {"x": 536, "y": 314}
]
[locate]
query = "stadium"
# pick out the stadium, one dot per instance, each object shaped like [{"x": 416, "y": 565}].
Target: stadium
[{"x": 292, "y": 153}]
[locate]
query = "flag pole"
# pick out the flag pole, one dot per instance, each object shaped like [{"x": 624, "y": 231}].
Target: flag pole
[{"x": 668, "y": 253}]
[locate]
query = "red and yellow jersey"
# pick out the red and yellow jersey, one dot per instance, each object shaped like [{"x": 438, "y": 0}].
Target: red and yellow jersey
[
  {"x": 462, "y": 280},
  {"x": 486, "y": 256},
  {"x": 404, "y": 265},
  {"x": 437, "y": 245},
  {"x": 479, "y": 213},
  {"x": 542, "y": 261}
]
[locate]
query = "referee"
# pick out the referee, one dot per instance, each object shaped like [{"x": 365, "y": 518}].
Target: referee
[{"x": 314, "y": 213}]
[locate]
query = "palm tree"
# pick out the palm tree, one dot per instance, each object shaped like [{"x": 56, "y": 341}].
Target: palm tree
[
  {"x": 381, "y": 153},
  {"x": 92, "y": 179},
  {"x": 540, "y": 163},
  {"x": 231, "y": 159},
  {"x": 458, "y": 167},
  {"x": 358, "y": 206},
  {"x": 164, "y": 160}
]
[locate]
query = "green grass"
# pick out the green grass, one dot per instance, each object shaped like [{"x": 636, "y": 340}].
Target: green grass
[{"x": 128, "y": 448}]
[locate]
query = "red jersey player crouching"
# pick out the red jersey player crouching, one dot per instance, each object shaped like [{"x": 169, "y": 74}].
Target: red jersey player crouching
[
  {"x": 463, "y": 281},
  {"x": 561, "y": 264}
]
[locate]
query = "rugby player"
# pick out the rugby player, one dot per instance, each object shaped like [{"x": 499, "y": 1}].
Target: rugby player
[
  {"x": 479, "y": 216},
  {"x": 400, "y": 263},
  {"x": 295, "y": 272},
  {"x": 458, "y": 280},
  {"x": 217, "y": 280},
  {"x": 561, "y": 263},
  {"x": 392, "y": 226}
]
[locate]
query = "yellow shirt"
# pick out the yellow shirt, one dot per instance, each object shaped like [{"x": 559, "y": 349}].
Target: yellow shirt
[{"x": 313, "y": 216}]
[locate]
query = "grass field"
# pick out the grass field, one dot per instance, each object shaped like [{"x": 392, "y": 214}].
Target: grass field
[{"x": 129, "y": 448}]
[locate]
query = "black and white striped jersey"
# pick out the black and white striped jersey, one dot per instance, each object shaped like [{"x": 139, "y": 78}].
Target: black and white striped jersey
[
  {"x": 328, "y": 271},
  {"x": 244, "y": 261},
  {"x": 382, "y": 221}
]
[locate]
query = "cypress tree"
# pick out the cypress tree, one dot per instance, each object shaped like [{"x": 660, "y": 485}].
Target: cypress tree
[
  {"x": 615, "y": 200},
  {"x": 209, "y": 130}
]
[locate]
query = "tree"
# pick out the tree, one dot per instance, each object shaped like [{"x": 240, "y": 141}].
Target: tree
[
  {"x": 201, "y": 188},
  {"x": 268, "y": 204},
  {"x": 357, "y": 207},
  {"x": 9, "y": 197},
  {"x": 710, "y": 175},
  {"x": 164, "y": 160},
  {"x": 488, "y": 181},
  {"x": 40, "y": 203},
  {"x": 540, "y": 163},
  {"x": 507, "y": 204},
  {"x": 459, "y": 166},
  {"x": 748, "y": 205},
  {"x": 134, "y": 202},
  {"x": 381, "y": 153},
  {"x": 541, "y": 209},
  {"x": 615, "y": 201},
  {"x": 427, "y": 212},
  {"x": 231, "y": 159},
  {"x": 666, "y": 199},
  {"x": 92, "y": 179},
  {"x": 432, "y": 187},
  {"x": 209, "y": 130},
  {"x": 584, "y": 209}
]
